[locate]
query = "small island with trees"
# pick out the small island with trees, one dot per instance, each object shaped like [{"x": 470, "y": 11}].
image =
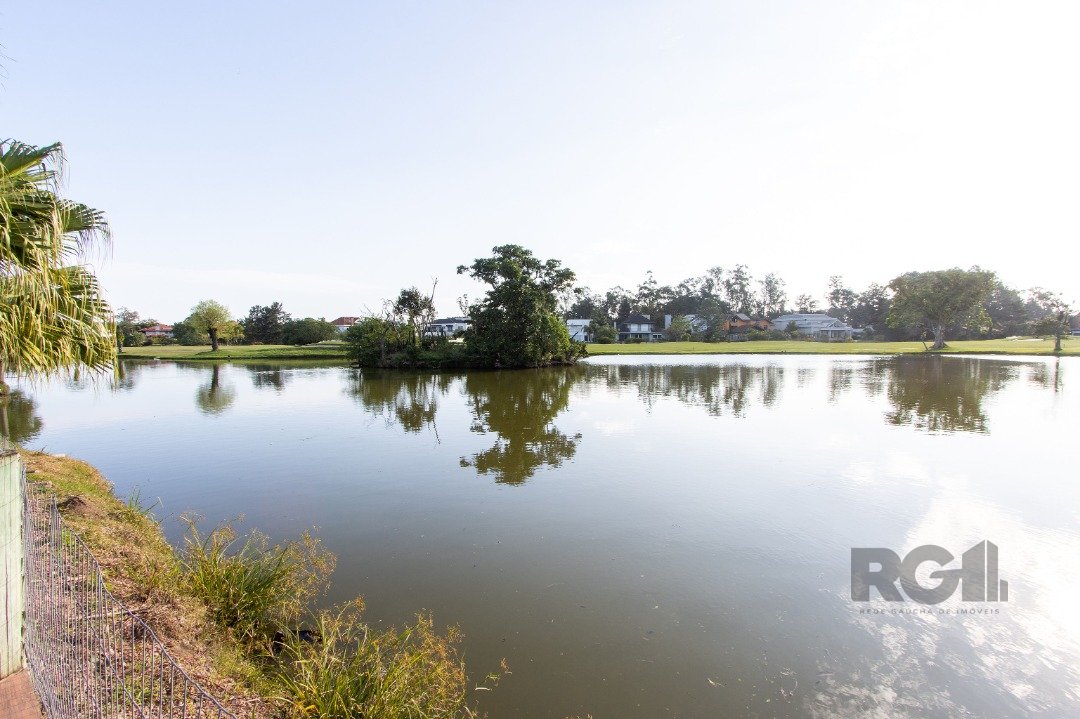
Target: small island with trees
[{"x": 516, "y": 325}]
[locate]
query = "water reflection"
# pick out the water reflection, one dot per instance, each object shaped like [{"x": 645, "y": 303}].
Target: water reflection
[
  {"x": 268, "y": 376},
  {"x": 720, "y": 389},
  {"x": 19, "y": 422},
  {"x": 520, "y": 408},
  {"x": 944, "y": 394},
  {"x": 215, "y": 397},
  {"x": 408, "y": 399}
]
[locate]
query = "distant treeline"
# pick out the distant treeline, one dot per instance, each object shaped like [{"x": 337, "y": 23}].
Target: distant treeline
[{"x": 1006, "y": 311}]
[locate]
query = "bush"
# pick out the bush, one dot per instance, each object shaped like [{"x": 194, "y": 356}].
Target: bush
[
  {"x": 307, "y": 331},
  {"x": 253, "y": 589},
  {"x": 349, "y": 670}
]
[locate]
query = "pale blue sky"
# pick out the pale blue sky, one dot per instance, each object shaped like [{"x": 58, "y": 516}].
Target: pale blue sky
[{"x": 328, "y": 154}]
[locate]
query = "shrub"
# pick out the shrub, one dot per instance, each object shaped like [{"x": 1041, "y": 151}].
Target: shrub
[{"x": 253, "y": 589}]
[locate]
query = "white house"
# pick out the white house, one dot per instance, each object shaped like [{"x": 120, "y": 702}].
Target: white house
[
  {"x": 579, "y": 330},
  {"x": 818, "y": 326},
  {"x": 447, "y": 327}
]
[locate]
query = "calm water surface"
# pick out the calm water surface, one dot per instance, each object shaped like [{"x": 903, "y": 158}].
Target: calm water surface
[{"x": 644, "y": 537}]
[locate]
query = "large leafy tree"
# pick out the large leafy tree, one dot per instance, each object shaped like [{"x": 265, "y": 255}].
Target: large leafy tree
[
  {"x": 211, "y": 318},
  {"x": 265, "y": 325},
  {"x": 1051, "y": 315},
  {"x": 52, "y": 313},
  {"x": 941, "y": 300},
  {"x": 516, "y": 324}
]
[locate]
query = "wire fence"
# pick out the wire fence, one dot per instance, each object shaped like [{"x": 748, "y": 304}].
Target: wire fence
[{"x": 89, "y": 656}]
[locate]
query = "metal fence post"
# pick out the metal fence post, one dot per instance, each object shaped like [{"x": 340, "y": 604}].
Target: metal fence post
[{"x": 12, "y": 599}]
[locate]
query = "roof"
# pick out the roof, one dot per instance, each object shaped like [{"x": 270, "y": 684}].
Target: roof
[
  {"x": 157, "y": 328},
  {"x": 815, "y": 320},
  {"x": 638, "y": 319},
  {"x": 451, "y": 321},
  {"x": 345, "y": 321},
  {"x": 740, "y": 316}
]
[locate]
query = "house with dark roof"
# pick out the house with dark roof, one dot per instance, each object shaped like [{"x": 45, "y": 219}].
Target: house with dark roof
[
  {"x": 447, "y": 327},
  {"x": 639, "y": 328}
]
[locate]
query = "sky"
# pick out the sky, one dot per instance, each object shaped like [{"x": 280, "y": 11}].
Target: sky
[{"x": 328, "y": 154}]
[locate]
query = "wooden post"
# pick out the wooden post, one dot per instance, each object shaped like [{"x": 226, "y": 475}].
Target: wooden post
[{"x": 12, "y": 599}]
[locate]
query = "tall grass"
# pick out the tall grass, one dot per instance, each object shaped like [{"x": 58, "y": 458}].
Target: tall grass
[
  {"x": 337, "y": 667},
  {"x": 353, "y": 671},
  {"x": 252, "y": 588}
]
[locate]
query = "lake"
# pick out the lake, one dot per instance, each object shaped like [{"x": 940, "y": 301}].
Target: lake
[{"x": 644, "y": 536}]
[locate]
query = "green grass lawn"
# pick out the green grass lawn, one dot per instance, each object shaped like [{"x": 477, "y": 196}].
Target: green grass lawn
[
  {"x": 328, "y": 350},
  {"x": 1069, "y": 346}
]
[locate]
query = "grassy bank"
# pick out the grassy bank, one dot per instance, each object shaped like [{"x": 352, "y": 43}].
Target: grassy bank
[
  {"x": 323, "y": 350},
  {"x": 1037, "y": 347},
  {"x": 235, "y": 612}
]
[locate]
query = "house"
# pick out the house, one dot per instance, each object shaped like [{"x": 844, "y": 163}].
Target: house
[
  {"x": 737, "y": 323},
  {"x": 639, "y": 328},
  {"x": 579, "y": 330},
  {"x": 698, "y": 323},
  {"x": 447, "y": 327},
  {"x": 1074, "y": 324},
  {"x": 817, "y": 326},
  {"x": 341, "y": 324},
  {"x": 158, "y": 330}
]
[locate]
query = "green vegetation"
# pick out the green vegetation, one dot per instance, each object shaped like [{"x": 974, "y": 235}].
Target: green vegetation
[
  {"x": 324, "y": 350},
  {"x": 354, "y": 672},
  {"x": 52, "y": 314},
  {"x": 230, "y": 609},
  {"x": 253, "y": 589},
  {"x": 516, "y": 324},
  {"x": 211, "y": 318},
  {"x": 1021, "y": 346},
  {"x": 937, "y": 301}
]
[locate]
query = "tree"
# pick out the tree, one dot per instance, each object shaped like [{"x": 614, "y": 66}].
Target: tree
[
  {"x": 679, "y": 330},
  {"x": 264, "y": 325},
  {"x": 940, "y": 301},
  {"x": 772, "y": 296},
  {"x": 52, "y": 313},
  {"x": 186, "y": 334},
  {"x": 129, "y": 328},
  {"x": 416, "y": 311},
  {"x": 231, "y": 333},
  {"x": 308, "y": 331},
  {"x": 1007, "y": 311},
  {"x": 871, "y": 308},
  {"x": 209, "y": 317},
  {"x": 806, "y": 304},
  {"x": 738, "y": 290},
  {"x": 516, "y": 323},
  {"x": 602, "y": 331},
  {"x": 1052, "y": 315},
  {"x": 841, "y": 299}
]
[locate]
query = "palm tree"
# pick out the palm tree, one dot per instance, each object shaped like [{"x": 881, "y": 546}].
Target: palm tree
[{"x": 52, "y": 313}]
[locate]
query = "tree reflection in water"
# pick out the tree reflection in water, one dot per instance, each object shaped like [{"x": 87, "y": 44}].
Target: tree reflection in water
[
  {"x": 944, "y": 394},
  {"x": 720, "y": 389},
  {"x": 215, "y": 397},
  {"x": 268, "y": 377},
  {"x": 19, "y": 422},
  {"x": 411, "y": 399},
  {"x": 519, "y": 407}
]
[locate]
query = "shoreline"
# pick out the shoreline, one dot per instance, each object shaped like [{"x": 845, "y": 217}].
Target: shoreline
[{"x": 336, "y": 351}]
